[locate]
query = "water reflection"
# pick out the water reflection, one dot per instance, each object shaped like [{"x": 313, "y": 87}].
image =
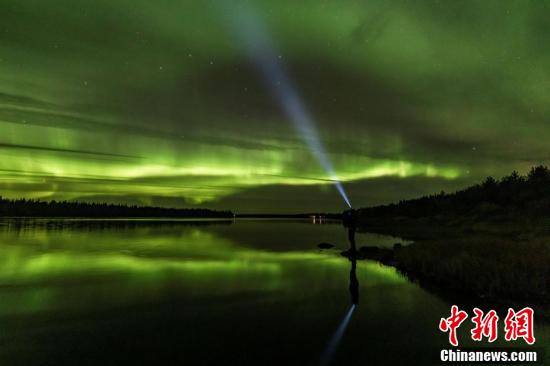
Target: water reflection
[
  {"x": 353, "y": 282},
  {"x": 52, "y": 224},
  {"x": 170, "y": 293}
]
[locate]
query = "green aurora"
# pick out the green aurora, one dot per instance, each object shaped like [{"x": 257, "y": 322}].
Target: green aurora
[{"x": 156, "y": 103}]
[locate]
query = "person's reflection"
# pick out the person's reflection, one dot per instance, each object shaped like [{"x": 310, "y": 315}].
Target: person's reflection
[
  {"x": 349, "y": 219},
  {"x": 353, "y": 282},
  {"x": 351, "y": 238}
]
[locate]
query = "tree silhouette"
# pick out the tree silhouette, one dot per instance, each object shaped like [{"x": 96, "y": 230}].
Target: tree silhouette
[
  {"x": 37, "y": 208},
  {"x": 513, "y": 195}
]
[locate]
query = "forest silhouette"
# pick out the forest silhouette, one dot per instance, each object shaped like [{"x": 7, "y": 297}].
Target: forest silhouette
[
  {"x": 512, "y": 198},
  {"x": 37, "y": 208}
]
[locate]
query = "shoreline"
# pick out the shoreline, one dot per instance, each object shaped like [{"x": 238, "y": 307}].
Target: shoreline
[{"x": 507, "y": 268}]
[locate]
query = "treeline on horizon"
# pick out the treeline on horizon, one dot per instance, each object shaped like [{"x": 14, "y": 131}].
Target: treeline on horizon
[
  {"x": 512, "y": 196},
  {"x": 37, "y": 208}
]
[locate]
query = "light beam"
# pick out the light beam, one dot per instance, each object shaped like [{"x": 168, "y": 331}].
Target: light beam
[
  {"x": 261, "y": 50},
  {"x": 332, "y": 345}
]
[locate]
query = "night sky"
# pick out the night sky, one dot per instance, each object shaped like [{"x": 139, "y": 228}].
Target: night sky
[{"x": 158, "y": 102}]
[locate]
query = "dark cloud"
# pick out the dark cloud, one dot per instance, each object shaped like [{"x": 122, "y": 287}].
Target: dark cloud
[{"x": 368, "y": 192}]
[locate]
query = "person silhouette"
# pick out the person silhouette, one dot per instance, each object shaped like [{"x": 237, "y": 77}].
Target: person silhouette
[{"x": 349, "y": 219}]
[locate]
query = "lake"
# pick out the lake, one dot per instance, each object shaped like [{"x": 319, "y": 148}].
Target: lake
[{"x": 248, "y": 292}]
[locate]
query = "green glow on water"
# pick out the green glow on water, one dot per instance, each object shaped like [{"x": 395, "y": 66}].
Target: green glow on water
[
  {"x": 78, "y": 281},
  {"x": 41, "y": 265}
]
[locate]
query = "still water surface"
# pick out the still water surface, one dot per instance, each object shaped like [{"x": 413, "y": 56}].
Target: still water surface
[{"x": 250, "y": 292}]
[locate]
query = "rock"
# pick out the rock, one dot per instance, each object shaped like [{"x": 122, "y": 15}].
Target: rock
[
  {"x": 386, "y": 256},
  {"x": 397, "y": 246},
  {"x": 369, "y": 251},
  {"x": 325, "y": 246}
]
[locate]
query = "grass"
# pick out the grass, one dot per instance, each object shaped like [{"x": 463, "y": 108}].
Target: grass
[{"x": 497, "y": 269}]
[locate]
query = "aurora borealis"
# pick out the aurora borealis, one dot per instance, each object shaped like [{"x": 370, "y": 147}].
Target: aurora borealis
[{"x": 156, "y": 102}]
